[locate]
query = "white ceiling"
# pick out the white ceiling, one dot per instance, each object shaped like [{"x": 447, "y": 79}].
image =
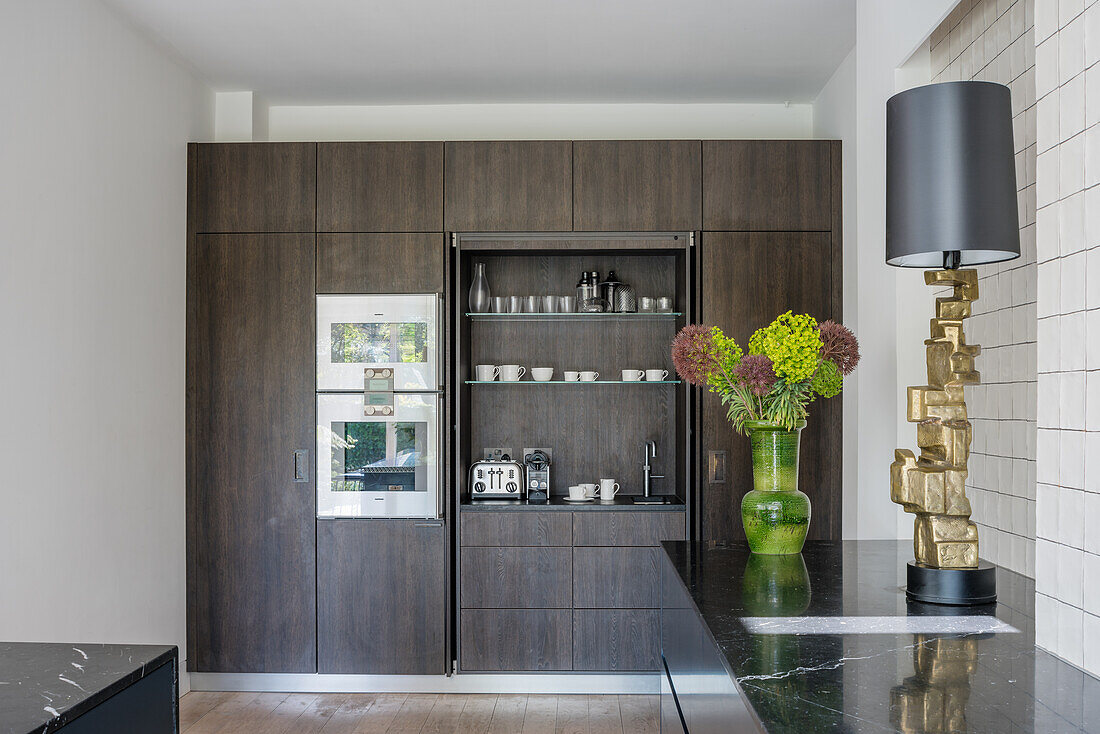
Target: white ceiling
[{"x": 475, "y": 51}]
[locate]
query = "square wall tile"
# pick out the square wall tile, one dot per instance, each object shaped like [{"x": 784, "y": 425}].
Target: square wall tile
[
  {"x": 1071, "y": 50},
  {"x": 1092, "y": 278},
  {"x": 1091, "y": 571},
  {"x": 1046, "y": 615},
  {"x": 1092, "y": 530},
  {"x": 1092, "y": 401},
  {"x": 1092, "y": 345},
  {"x": 1071, "y": 167},
  {"x": 1050, "y": 399},
  {"x": 1071, "y": 341},
  {"x": 1071, "y": 577},
  {"x": 1070, "y": 631},
  {"x": 1071, "y": 225},
  {"x": 1047, "y": 458},
  {"x": 1071, "y": 464},
  {"x": 1071, "y": 406},
  {"x": 1092, "y": 467},
  {"x": 1046, "y": 512},
  {"x": 1071, "y": 107},
  {"x": 1091, "y": 652},
  {"x": 1092, "y": 95},
  {"x": 1092, "y": 38}
]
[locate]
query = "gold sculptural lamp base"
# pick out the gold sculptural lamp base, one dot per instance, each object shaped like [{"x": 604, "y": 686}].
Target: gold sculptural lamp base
[{"x": 933, "y": 485}]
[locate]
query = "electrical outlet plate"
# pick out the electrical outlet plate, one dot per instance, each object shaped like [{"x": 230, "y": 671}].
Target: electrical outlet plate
[
  {"x": 549, "y": 453},
  {"x": 497, "y": 453}
]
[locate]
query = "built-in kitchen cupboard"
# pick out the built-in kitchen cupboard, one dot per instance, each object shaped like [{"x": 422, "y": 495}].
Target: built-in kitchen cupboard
[{"x": 733, "y": 232}]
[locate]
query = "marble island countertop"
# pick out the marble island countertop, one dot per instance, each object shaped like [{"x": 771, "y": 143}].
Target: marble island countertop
[
  {"x": 45, "y": 685},
  {"x": 827, "y": 642}
]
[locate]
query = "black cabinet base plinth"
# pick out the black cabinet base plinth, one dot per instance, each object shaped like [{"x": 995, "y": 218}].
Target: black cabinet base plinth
[{"x": 954, "y": 586}]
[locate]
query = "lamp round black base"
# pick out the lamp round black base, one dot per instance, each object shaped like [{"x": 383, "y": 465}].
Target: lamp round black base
[{"x": 952, "y": 586}]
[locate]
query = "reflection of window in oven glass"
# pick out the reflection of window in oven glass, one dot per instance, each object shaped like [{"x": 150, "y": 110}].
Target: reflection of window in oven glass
[
  {"x": 379, "y": 343},
  {"x": 376, "y": 456}
]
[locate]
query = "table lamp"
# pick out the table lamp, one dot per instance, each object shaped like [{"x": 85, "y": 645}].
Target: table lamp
[{"x": 950, "y": 203}]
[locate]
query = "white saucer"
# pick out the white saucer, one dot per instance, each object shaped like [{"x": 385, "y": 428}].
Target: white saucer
[{"x": 580, "y": 502}]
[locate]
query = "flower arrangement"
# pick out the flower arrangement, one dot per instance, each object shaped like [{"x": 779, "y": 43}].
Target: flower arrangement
[{"x": 791, "y": 361}]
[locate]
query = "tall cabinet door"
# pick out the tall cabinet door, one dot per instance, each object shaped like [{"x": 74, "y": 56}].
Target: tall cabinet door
[
  {"x": 381, "y": 605},
  {"x": 773, "y": 272},
  {"x": 637, "y": 185},
  {"x": 250, "y": 494}
]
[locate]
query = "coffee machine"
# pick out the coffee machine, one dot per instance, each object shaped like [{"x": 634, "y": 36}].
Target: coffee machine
[{"x": 536, "y": 463}]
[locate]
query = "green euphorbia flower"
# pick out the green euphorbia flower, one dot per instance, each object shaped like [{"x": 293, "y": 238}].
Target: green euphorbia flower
[
  {"x": 827, "y": 380},
  {"x": 792, "y": 343}
]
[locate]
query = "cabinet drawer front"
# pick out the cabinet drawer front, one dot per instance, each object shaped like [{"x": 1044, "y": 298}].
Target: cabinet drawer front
[
  {"x": 628, "y": 528},
  {"x": 516, "y": 528},
  {"x": 616, "y": 640},
  {"x": 615, "y": 578},
  {"x": 380, "y": 263},
  {"x": 516, "y": 639},
  {"x": 518, "y": 578}
]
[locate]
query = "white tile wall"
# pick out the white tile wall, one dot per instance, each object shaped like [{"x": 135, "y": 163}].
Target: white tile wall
[
  {"x": 994, "y": 40},
  {"x": 1067, "y": 513}
]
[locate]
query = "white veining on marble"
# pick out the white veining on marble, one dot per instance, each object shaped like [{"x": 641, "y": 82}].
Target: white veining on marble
[
  {"x": 84, "y": 654},
  {"x": 916, "y": 625},
  {"x": 71, "y": 682},
  {"x": 51, "y": 711},
  {"x": 78, "y": 666}
]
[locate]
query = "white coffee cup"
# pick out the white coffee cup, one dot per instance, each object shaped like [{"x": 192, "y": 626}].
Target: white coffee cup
[
  {"x": 608, "y": 489},
  {"x": 632, "y": 375},
  {"x": 589, "y": 376},
  {"x": 589, "y": 490},
  {"x": 486, "y": 372},
  {"x": 542, "y": 374},
  {"x": 511, "y": 372},
  {"x": 572, "y": 375},
  {"x": 578, "y": 492},
  {"x": 656, "y": 375}
]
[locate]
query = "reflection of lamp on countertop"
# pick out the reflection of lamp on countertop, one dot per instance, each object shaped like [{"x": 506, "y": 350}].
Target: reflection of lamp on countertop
[{"x": 950, "y": 202}]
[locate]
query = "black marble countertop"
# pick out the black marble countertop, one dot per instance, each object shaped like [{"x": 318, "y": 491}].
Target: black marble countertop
[
  {"x": 826, "y": 642},
  {"x": 45, "y": 685},
  {"x": 559, "y": 504}
]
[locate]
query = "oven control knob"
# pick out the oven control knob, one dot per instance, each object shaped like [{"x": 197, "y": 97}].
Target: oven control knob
[
  {"x": 369, "y": 410},
  {"x": 479, "y": 486},
  {"x": 512, "y": 487}
]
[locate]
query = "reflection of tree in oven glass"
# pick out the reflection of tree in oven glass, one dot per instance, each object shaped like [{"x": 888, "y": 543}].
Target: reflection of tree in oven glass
[{"x": 377, "y": 343}]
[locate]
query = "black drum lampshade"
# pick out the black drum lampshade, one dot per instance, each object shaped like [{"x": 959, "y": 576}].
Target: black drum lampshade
[{"x": 950, "y": 176}]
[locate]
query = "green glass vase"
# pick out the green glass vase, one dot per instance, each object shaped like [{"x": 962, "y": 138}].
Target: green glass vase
[{"x": 775, "y": 514}]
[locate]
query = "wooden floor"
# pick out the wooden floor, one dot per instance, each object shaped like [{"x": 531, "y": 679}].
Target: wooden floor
[{"x": 368, "y": 713}]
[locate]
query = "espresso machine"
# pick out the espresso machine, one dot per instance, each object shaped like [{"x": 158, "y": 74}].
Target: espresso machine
[{"x": 536, "y": 463}]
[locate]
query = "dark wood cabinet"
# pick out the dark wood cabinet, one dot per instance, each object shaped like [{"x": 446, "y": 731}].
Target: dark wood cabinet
[
  {"x": 648, "y": 527},
  {"x": 516, "y": 528},
  {"x": 250, "y": 405},
  {"x": 520, "y": 578},
  {"x": 516, "y": 639},
  {"x": 637, "y": 185},
  {"x": 381, "y": 606},
  {"x": 380, "y": 187},
  {"x": 774, "y": 272},
  {"x": 514, "y": 186},
  {"x": 615, "y": 578},
  {"x": 770, "y": 185},
  {"x": 616, "y": 640},
  {"x": 380, "y": 263},
  {"x": 251, "y": 187}
]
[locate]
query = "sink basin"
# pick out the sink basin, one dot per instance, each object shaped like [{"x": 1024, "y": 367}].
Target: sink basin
[{"x": 656, "y": 500}]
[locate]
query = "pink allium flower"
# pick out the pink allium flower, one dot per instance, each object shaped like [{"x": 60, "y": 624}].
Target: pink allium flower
[
  {"x": 757, "y": 372},
  {"x": 839, "y": 346},
  {"x": 694, "y": 354}
]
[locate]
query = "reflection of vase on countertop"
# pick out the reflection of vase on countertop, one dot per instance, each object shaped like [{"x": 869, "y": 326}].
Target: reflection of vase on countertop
[
  {"x": 775, "y": 514},
  {"x": 775, "y": 586},
  {"x": 480, "y": 296}
]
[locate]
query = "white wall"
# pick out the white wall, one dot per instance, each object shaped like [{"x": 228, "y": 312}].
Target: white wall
[
  {"x": 539, "y": 121},
  {"x": 835, "y": 118},
  {"x": 92, "y": 269}
]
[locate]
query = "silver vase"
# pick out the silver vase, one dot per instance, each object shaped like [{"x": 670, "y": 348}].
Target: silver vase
[{"x": 480, "y": 297}]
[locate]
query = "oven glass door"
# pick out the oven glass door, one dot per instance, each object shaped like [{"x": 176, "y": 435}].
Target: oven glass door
[
  {"x": 378, "y": 465},
  {"x": 398, "y": 332}
]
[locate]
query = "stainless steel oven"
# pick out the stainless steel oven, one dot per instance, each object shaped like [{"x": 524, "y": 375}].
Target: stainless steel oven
[{"x": 379, "y": 406}]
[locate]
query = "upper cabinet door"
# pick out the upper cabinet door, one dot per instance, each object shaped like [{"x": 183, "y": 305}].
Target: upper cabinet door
[
  {"x": 380, "y": 187},
  {"x": 768, "y": 185},
  {"x": 517, "y": 186},
  {"x": 637, "y": 185},
  {"x": 251, "y": 187}
]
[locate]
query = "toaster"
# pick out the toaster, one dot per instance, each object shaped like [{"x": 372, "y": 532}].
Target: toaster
[{"x": 495, "y": 479}]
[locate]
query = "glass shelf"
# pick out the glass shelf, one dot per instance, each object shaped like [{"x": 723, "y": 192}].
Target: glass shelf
[
  {"x": 574, "y": 316},
  {"x": 573, "y": 382}
]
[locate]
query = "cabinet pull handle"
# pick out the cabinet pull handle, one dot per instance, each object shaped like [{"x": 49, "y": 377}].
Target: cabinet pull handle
[
  {"x": 435, "y": 524},
  {"x": 301, "y": 465}
]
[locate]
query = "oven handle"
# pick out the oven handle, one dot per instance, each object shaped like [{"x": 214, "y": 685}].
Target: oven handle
[{"x": 439, "y": 457}]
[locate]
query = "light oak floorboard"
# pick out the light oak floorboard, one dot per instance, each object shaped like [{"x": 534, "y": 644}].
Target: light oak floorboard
[
  {"x": 572, "y": 716},
  {"x": 541, "y": 714},
  {"x": 195, "y": 705},
  {"x": 365, "y": 713},
  {"x": 640, "y": 714},
  {"x": 508, "y": 714}
]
